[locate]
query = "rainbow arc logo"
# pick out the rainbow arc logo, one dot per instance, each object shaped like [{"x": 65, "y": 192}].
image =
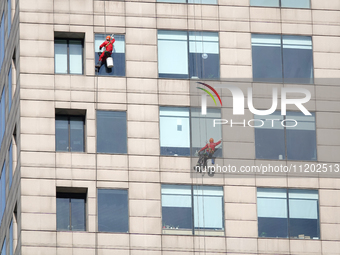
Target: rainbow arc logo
[{"x": 204, "y": 98}]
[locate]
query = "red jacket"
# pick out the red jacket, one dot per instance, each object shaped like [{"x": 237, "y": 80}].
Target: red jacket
[
  {"x": 108, "y": 45},
  {"x": 210, "y": 146}
]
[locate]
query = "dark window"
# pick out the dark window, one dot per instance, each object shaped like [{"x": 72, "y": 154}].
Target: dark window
[
  {"x": 68, "y": 56},
  {"x": 192, "y": 208},
  {"x": 69, "y": 133},
  {"x": 286, "y": 213},
  {"x": 274, "y": 141},
  {"x": 183, "y": 128},
  {"x": 111, "y": 132},
  {"x": 118, "y": 55},
  {"x": 284, "y": 58},
  {"x": 281, "y": 3},
  {"x": 113, "y": 213},
  {"x": 71, "y": 211},
  {"x": 191, "y": 55}
]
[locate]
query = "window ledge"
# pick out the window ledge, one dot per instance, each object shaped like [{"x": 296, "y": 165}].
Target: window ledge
[{"x": 197, "y": 232}]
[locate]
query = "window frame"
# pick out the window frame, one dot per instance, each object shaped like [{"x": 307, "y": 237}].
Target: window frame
[
  {"x": 195, "y": 231},
  {"x": 188, "y": 54},
  {"x": 68, "y": 55},
  {"x": 69, "y": 196},
  {"x": 284, "y": 7},
  {"x": 283, "y": 79},
  {"x": 69, "y": 116},
  {"x": 285, "y": 141},
  {"x": 288, "y": 213}
]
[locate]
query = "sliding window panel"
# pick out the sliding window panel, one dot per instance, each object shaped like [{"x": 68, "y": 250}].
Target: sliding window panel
[
  {"x": 176, "y": 207},
  {"x": 76, "y": 56},
  {"x": 272, "y": 212},
  {"x": 266, "y": 56},
  {"x": 174, "y": 131},
  {"x": 204, "y": 57},
  {"x": 297, "y": 59},
  {"x": 301, "y": 140},
  {"x": 77, "y": 134},
  {"x": 303, "y": 214},
  {"x": 173, "y": 54},
  {"x": 60, "y": 56}
]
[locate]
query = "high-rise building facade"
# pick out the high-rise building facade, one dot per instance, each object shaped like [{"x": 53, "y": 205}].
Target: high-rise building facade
[{"x": 100, "y": 161}]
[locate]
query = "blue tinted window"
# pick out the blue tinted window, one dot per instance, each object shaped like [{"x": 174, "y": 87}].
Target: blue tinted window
[
  {"x": 113, "y": 213},
  {"x": 282, "y": 3},
  {"x": 286, "y": 59},
  {"x": 68, "y": 56},
  {"x": 286, "y": 213},
  {"x": 118, "y": 55},
  {"x": 71, "y": 212},
  {"x": 69, "y": 133},
  {"x": 184, "y": 54},
  {"x": 111, "y": 132}
]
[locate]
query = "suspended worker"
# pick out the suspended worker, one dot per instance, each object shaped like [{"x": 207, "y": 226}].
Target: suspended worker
[
  {"x": 108, "y": 44},
  {"x": 210, "y": 149}
]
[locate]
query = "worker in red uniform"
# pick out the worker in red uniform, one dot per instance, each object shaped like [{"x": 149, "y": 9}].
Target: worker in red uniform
[
  {"x": 108, "y": 44},
  {"x": 209, "y": 150}
]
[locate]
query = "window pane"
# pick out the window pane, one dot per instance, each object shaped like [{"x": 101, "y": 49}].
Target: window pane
[
  {"x": 303, "y": 214},
  {"x": 77, "y": 133},
  {"x": 301, "y": 140},
  {"x": 174, "y": 131},
  {"x": 111, "y": 132},
  {"x": 295, "y": 3},
  {"x": 272, "y": 3},
  {"x": 172, "y": 54},
  {"x": 113, "y": 214},
  {"x": 202, "y": 129},
  {"x": 176, "y": 207},
  {"x": 78, "y": 214},
  {"x": 60, "y": 56},
  {"x": 272, "y": 212},
  {"x": 297, "y": 59},
  {"x": 118, "y": 55},
  {"x": 63, "y": 213},
  {"x": 76, "y": 57},
  {"x": 61, "y": 133},
  {"x": 270, "y": 138},
  {"x": 266, "y": 56},
  {"x": 208, "y": 207},
  {"x": 204, "y": 57},
  {"x": 9, "y": 89}
]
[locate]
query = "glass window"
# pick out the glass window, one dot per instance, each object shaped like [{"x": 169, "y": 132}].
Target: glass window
[
  {"x": 286, "y": 58},
  {"x": 68, "y": 56},
  {"x": 2, "y": 115},
  {"x": 192, "y": 208},
  {"x": 282, "y": 3},
  {"x": 174, "y": 131},
  {"x": 274, "y": 141},
  {"x": 3, "y": 190},
  {"x": 184, "y": 54},
  {"x": 118, "y": 55},
  {"x": 113, "y": 213},
  {"x": 9, "y": 89},
  {"x": 204, "y": 56},
  {"x": 71, "y": 212},
  {"x": 286, "y": 213},
  {"x": 69, "y": 133},
  {"x": 111, "y": 132}
]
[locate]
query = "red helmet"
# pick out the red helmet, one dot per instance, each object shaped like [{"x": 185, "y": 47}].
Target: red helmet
[
  {"x": 211, "y": 140},
  {"x": 108, "y": 37}
]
